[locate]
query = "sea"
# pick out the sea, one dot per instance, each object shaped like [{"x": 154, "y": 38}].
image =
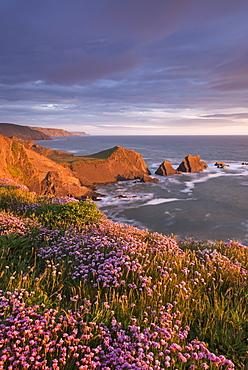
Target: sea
[{"x": 210, "y": 205}]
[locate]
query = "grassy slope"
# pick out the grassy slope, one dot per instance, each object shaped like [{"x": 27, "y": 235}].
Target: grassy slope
[
  {"x": 129, "y": 291},
  {"x": 105, "y": 154}
]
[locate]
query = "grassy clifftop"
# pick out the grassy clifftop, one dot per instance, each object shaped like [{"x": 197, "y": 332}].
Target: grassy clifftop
[{"x": 78, "y": 291}]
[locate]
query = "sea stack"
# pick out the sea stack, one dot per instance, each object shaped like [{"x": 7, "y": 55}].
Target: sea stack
[
  {"x": 166, "y": 169},
  {"x": 192, "y": 163}
]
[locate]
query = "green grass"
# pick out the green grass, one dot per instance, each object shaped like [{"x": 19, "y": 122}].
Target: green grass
[{"x": 105, "y": 154}]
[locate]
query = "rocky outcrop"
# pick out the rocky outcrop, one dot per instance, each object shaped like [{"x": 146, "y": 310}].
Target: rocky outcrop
[
  {"x": 109, "y": 166},
  {"x": 22, "y": 132},
  {"x": 31, "y": 165},
  {"x": 221, "y": 165},
  {"x": 166, "y": 169},
  {"x": 147, "y": 178},
  {"x": 192, "y": 163},
  {"x": 56, "y": 183},
  {"x": 37, "y": 172}
]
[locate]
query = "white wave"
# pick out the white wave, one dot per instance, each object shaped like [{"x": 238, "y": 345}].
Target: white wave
[
  {"x": 123, "y": 199},
  {"x": 156, "y": 201},
  {"x": 189, "y": 185}
]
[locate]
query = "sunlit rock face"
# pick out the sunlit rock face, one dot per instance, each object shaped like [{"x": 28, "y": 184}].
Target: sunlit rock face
[
  {"x": 109, "y": 166},
  {"x": 40, "y": 170},
  {"x": 192, "y": 163},
  {"x": 166, "y": 169},
  {"x": 32, "y": 169}
]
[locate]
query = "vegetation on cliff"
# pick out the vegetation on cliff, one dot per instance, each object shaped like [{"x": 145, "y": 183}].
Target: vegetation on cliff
[{"x": 78, "y": 291}]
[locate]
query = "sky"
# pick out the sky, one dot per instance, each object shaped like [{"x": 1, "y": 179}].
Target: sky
[{"x": 125, "y": 67}]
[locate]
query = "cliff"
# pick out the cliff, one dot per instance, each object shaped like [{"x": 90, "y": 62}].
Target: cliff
[
  {"x": 23, "y": 132},
  {"x": 47, "y": 152},
  {"x": 48, "y": 171},
  {"x": 39, "y": 173},
  {"x": 57, "y": 132},
  {"x": 108, "y": 166}
]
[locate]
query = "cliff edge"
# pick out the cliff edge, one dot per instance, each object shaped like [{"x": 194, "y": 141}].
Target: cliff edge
[
  {"x": 48, "y": 171},
  {"x": 37, "y": 172},
  {"x": 109, "y": 166}
]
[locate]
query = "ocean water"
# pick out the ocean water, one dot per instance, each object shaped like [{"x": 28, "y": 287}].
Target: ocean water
[{"x": 209, "y": 205}]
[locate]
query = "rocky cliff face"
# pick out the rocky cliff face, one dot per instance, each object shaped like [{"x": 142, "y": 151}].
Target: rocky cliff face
[
  {"x": 30, "y": 165},
  {"x": 110, "y": 166},
  {"x": 36, "y": 171}
]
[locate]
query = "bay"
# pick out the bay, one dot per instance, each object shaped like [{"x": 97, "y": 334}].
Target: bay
[{"x": 210, "y": 205}]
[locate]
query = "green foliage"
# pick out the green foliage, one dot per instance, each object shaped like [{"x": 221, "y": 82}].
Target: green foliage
[
  {"x": 105, "y": 154},
  {"x": 11, "y": 197},
  {"x": 16, "y": 149},
  {"x": 14, "y": 170},
  {"x": 57, "y": 216}
]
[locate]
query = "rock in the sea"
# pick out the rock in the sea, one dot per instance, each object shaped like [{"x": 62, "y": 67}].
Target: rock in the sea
[
  {"x": 166, "y": 169},
  {"x": 192, "y": 163},
  {"x": 147, "y": 178},
  {"x": 244, "y": 163},
  {"x": 221, "y": 165}
]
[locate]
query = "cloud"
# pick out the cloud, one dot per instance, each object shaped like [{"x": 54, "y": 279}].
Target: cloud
[
  {"x": 228, "y": 115},
  {"x": 142, "y": 55}
]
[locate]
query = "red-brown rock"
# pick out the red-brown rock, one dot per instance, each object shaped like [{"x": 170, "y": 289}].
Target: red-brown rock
[
  {"x": 221, "y": 165},
  {"x": 115, "y": 164},
  {"x": 192, "y": 163},
  {"x": 166, "y": 169}
]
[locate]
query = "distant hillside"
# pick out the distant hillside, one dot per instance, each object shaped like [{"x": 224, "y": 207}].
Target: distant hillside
[
  {"x": 78, "y": 133},
  {"x": 22, "y": 132},
  {"x": 57, "y": 132}
]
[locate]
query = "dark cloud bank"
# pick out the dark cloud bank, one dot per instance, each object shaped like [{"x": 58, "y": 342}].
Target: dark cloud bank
[{"x": 104, "y": 64}]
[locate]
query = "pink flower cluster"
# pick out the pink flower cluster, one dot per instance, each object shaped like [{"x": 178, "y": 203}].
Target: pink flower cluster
[
  {"x": 9, "y": 182},
  {"x": 51, "y": 340},
  {"x": 10, "y": 224},
  {"x": 63, "y": 200},
  {"x": 105, "y": 253},
  {"x": 220, "y": 261}
]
